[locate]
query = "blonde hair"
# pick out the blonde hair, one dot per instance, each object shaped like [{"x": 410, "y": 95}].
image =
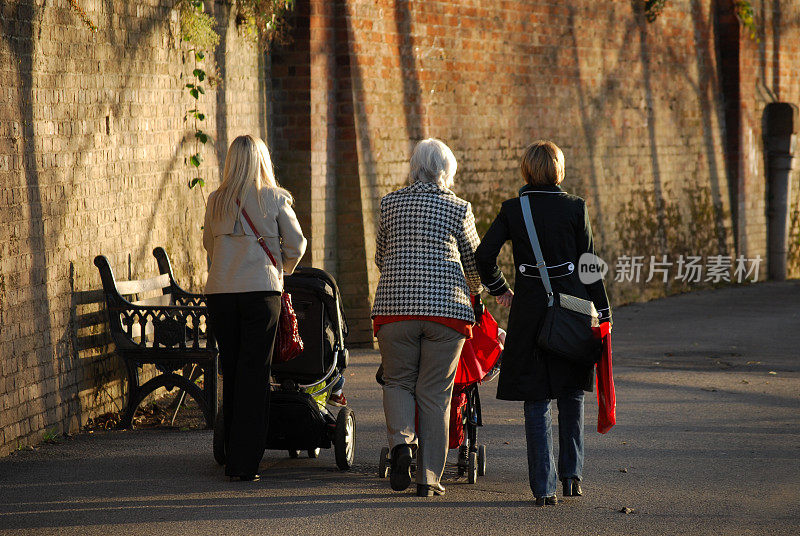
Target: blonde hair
[
  {"x": 433, "y": 161},
  {"x": 542, "y": 164},
  {"x": 247, "y": 165}
]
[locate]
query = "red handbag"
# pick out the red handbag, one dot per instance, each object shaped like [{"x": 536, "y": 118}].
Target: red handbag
[{"x": 288, "y": 343}]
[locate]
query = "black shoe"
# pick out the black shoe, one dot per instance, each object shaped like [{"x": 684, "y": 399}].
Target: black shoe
[
  {"x": 400, "y": 472},
  {"x": 549, "y": 501},
  {"x": 429, "y": 490},
  {"x": 572, "y": 487}
]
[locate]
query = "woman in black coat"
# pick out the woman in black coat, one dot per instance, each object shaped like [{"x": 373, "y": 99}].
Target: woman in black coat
[{"x": 527, "y": 373}]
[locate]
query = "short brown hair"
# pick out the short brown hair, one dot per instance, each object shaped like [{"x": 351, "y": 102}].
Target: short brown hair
[{"x": 542, "y": 164}]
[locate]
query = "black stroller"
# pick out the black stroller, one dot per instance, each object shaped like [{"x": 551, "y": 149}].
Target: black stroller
[{"x": 299, "y": 420}]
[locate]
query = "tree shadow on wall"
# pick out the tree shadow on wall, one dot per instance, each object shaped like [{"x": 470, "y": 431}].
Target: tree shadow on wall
[
  {"x": 592, "y": 108},
  {"x": 19, "y": 38},
  {"x": 704, "y": 88},
  {"x": 19, "y": 30},
  {"x": 356, "y": 174},
  {"x": 412, "y": 94}
]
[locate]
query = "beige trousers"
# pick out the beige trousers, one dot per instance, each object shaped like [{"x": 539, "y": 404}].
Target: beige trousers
[{"x": 419, "y": 366}]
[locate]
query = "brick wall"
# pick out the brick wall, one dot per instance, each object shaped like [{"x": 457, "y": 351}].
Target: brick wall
[
  {"x": 639, "y": 109},
  {"x": 92, "y": 160},
  {"x": 768, "y": 67}
]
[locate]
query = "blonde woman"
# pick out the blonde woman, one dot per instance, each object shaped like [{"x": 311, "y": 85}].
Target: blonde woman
[
  {"x": 243, "y": 292},
  {"x": 422, "y": 313}
]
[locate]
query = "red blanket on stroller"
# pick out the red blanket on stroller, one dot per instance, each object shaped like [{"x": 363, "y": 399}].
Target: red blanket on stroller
[
  {"x": 478, "y": 357},
  {"x": 480, "y": 353}
]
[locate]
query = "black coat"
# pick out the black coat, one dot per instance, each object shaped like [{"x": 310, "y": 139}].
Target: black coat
[{"x": 562, "y": 224}]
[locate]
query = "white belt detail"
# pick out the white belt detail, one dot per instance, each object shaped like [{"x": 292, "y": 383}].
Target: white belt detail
[{"x": 530, "y": 270}]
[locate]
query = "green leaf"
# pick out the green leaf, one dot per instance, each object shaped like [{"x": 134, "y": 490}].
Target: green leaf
[
  {"x": 201, "y": 117},
  {"x": 194, "y": 93},
  {"x": 195, "y": 181},
  {"x": 190, "y": 86},
  {"x": 200, "y": 74},
  {"x": 200, "y": 89},
  {"x": 195, "y": 160},
  {"x": 199, "y": 55}
]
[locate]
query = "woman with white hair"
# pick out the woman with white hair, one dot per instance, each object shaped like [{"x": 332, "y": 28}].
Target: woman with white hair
[
  {"x": 422, "y": 312},
  {"x": 244, "y": 292}
]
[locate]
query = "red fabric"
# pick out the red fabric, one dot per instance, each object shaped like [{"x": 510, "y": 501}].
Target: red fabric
[
  {"x": 480, "y": 353},
  {"x": 461, "y": 326},
  {"x": 606, "y": 397},
  {"x": 457, "y": 405}
]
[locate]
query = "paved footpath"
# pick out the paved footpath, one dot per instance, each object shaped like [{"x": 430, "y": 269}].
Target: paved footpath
[{"x": 708, "y": 442}]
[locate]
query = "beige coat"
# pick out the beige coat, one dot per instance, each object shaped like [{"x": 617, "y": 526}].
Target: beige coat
[{"x": 238, "y": 263}]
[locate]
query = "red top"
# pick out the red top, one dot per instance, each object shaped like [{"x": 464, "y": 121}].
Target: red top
[{"x": 461, "y": 326}]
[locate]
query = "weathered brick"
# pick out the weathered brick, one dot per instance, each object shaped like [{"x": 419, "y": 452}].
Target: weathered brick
[{"x": 103, "y": 172}]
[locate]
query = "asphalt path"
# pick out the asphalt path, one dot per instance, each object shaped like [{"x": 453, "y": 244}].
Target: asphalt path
[{"x": 707, "y": 442}]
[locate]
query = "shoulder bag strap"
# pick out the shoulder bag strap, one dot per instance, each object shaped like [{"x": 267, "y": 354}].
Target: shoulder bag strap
[
  {"x": 258, "y": 235},
  {"x": 537, "y": 250}
]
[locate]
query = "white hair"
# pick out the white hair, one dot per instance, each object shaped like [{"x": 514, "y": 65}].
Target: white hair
[{"x": 433, "y": 161}]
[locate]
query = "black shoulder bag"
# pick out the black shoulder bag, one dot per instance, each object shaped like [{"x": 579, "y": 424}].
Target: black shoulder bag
[{"x": 567, "y": 329}]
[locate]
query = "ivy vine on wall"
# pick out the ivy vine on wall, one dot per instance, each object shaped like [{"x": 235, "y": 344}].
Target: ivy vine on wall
[
  {"x": 262, "y": 21},
  {"x": 82, "y": 14},
  {"x": 746, "y": 15},
  {"x": 197, "y": 29},
  {"x": 743, "y": 9},
  {"x": 265, "y": 21},
  {"x": 653, "y": 8}
]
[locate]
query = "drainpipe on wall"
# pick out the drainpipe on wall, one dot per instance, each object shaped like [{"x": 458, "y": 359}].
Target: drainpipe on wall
[{"x": 780, "y": 142}]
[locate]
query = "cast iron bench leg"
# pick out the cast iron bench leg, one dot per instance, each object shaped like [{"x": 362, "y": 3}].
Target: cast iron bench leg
[{"x": 133, "y": 394}]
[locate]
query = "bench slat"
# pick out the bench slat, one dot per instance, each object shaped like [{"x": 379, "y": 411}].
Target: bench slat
[
  {"x": 126, "y": 288},
  {"x": 161, "y": 299}
]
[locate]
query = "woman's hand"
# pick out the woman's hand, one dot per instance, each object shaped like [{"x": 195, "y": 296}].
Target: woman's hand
[
  {"x": 505, "y": 299},
  {"x": 477, "y": 308}
]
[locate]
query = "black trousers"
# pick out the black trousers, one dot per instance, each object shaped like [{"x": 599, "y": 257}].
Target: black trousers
[{"x": 245, "y": 325}]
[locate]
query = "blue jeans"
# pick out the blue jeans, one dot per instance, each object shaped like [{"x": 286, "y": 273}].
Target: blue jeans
[{"x": 539, "y": 435}]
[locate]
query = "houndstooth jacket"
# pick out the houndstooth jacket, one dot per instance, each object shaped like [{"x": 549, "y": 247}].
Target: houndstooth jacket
[{"x": 425, "y": 252}]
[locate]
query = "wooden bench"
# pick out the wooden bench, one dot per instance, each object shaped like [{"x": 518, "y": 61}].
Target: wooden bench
[{"x": 154, "y": 321}]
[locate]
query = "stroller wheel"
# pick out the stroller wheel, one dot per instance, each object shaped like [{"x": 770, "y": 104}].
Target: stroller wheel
[
  {"x": 345, "y": 438},
  {"x": 313, "y": 453},
  {"x": 219, "y": 439},
  {"x": 383, "y": 463},
  {"x": 472, "y": 473},
  {"x": 294, "y": 453},
  {"x": 481, "y": 460}
]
